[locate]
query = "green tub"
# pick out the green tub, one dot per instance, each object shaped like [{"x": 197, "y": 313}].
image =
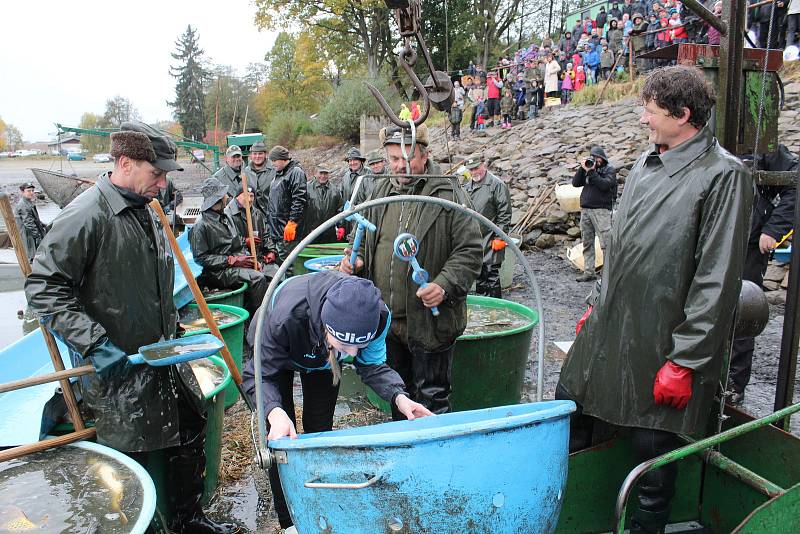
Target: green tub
[
  {"x": 233, "y": 335},
  {"x": 234, "y": 297},
  {"x": 215, "y": 402},
  {"x": 488, "y": 369},
  {"x": 317, "y": 251}
]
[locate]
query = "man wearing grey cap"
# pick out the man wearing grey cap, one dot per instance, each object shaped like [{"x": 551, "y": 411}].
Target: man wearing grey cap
[
  {"x": 355, "y": 168},
  {"x": 27, "y": 216},
  {"x": 230, "y": 173},
  {"x": 492, "y": 199},
  {"x": 376, "y": 161},
  {"x": 420, "y": 345},
  {"x": 260, "y": 174},
  {"x": 102, "y": 284},
  {"x": 324, "y": 201}
]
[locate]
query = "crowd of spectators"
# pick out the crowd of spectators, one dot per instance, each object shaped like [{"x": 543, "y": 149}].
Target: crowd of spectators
[{"x": 608, "y": 46}]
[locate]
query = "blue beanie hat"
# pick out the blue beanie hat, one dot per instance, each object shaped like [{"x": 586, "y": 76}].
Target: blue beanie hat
[{"x": 351, "y": 311}]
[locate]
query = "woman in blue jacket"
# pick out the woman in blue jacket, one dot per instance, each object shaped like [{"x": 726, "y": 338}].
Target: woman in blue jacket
[{"x": 311, "y": 324}]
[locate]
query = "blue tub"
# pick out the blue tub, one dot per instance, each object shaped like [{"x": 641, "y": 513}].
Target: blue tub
[
  {"x": 498, "y": 470},
  {"x": 314, "y": 265}
]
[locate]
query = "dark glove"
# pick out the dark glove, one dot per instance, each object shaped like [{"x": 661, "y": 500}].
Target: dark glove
[
  {"x": 256, "y": 240},
  {"x": 270, "y": 257},
  {"x": 339, "y": 234},
  {"x": 108, "y": 359},
  {"x": 673, "y": 386},
  {"x": 241, "y": 261}
]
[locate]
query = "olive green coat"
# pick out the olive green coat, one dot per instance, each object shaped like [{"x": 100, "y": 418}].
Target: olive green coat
[
  {"x": 492, "y": 199},
  {"x": 449, "y": 249},
  {"x": 670, "y": 286},
  {"x": 82, "y": 288},
  {"x": 231, "y": 179}
]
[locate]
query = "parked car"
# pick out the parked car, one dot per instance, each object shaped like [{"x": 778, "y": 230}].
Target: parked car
[
  {"x": 102, "y": 158},
  {"x": 75, "y": 156},
  {"x": 199, "y": 155},
  {"x": 6, "y": 154}
]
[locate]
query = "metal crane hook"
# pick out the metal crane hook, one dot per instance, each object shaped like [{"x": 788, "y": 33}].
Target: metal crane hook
[{"x": 438, "y": 88}]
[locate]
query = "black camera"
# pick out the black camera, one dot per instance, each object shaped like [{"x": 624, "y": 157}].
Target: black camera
[{"x": 589, "y": 162}]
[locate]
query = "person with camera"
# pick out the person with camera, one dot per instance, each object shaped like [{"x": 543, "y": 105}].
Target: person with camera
[{"x": 599, "y": 182}]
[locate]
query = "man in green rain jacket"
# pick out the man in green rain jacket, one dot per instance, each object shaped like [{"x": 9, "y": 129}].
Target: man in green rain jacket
[
  {"x": 651, "y": 353},
  {"x": 103, "y": 286},
  {"x": 492, "y": 199},
  {"x": 420, "y": 345},
  {"x": 222, "y": 252}
]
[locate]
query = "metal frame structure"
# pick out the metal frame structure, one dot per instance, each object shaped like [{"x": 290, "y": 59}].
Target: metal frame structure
[{"x": 107, "y": 133}]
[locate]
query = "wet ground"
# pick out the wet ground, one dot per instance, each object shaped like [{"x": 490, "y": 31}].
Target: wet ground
[{"x": 249, "y": 501}]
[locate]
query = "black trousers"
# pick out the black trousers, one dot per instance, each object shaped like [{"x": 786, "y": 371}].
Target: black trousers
[
  {"x": 426, "y": 375},
  {"x": 657, "y": 487},
  {"x": 185, "y": 465},
  {"x": 755, "y": 266},
  {"x": 488, "y": 283},
  {"x": 319, "y": 403}
]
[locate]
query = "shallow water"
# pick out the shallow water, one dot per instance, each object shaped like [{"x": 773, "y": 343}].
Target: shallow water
[
  {"x": 59, "y": 491},
  {"x": 486, "y": 320},
  {"x": 159, "y": 353},
  {"x": 329, "y": 265},
  {"x": 191, "y": 320}
]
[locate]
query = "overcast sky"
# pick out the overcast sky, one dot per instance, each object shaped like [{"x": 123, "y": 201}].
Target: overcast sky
[{"x": 60, "y": 59}]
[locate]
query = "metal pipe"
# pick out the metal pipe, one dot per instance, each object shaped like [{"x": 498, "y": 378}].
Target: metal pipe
[
  {"x": 262, "y": 452},
  {"x": 708, "y": 17},
  {"x": 683, "y": 452},
  {"x": 742, "y": 474},
  {"x": 790, "y": 337}
]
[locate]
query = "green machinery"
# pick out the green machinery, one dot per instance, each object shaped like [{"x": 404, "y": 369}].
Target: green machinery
[{"x": 188, "y": 145}]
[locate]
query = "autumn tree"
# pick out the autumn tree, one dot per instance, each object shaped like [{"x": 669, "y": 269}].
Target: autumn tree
[
  {"x": 118, "y": 110},
  {"x": 12, "y": 137},
  {"x": 359, "y": 27},
  {"x": 190, "y": 75},
  {"x": 94, "y": 144}
]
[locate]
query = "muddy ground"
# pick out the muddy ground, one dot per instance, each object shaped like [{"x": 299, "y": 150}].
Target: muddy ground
[{"x": 245, "y": 496}]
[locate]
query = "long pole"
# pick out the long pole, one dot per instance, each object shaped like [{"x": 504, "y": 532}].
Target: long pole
[
  {"x": 249, "y": 219},
  {"x": 201, "y": 301},
  {"x": 55, "y": 355},
  {"x": 216, "y": 113}
]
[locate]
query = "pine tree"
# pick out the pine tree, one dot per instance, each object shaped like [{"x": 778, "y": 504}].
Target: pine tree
[{"x": 190, "y": 74}]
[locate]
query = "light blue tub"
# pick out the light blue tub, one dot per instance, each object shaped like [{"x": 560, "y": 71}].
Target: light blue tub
[
  {"x": 498, "y": 470},
  {"x": 314, "y": 265}
]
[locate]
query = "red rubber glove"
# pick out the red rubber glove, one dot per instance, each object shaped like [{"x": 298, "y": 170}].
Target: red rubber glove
[
  {"x": 339, "y": 234},
  {"x": 270, "y": 257},
  {"x": 673, "y": 386},
  {"x": 241, "y": 261},
  {"x": 498, "y": 244},
  {"x": 290, "y": 231},
  {"x": 256, "y": 240},
  {"x": 582, "y": 320}
]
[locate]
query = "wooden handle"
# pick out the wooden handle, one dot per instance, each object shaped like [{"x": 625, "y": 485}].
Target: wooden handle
[
  {"x": 39, "y": 446},
  {"x": 55, "y": 355},
  {"x": 44, "y": 379},
  {"x": 249, "y": 220},
  {"x": 201, "y": 301}
]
